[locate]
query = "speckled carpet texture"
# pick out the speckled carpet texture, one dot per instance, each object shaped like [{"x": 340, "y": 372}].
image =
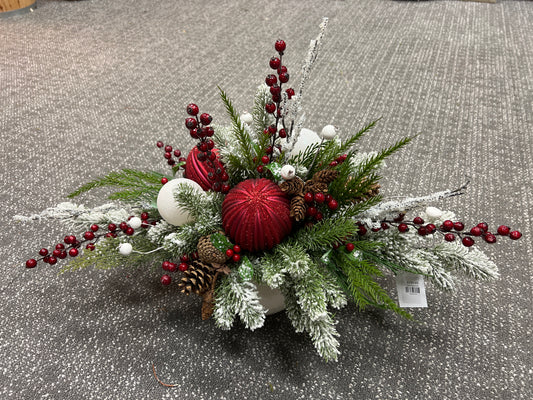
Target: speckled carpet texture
[{"x": 88, "y": 87}]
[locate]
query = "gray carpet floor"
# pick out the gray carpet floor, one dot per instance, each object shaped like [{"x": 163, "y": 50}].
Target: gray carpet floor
[{"x": 87, "y": 87}]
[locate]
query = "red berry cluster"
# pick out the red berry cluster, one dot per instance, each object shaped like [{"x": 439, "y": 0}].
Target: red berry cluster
[
  {"x": 71, "y": 244},
  {"x": 170, "y": 153},
  {"x": 317, "y": 201},
  {"x": 273, "y": 106},
  {"x": 199, "y": 129},
  {"x": 169, "y": 266},
  {"x": 234, "y": 253},
  {"x": 449, "y": 229}
]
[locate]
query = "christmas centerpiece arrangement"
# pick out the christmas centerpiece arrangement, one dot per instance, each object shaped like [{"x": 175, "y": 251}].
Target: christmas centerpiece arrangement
[{"x": 267, "y": 205}]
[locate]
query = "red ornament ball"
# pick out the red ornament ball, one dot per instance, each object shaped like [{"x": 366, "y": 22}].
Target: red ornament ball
[
  {"x": 197, "y": 170},
  {"x": 255, "y": 214}
]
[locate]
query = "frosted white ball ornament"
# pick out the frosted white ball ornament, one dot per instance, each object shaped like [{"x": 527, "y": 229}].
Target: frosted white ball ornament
[
  {"x": 328, "y": 132},
  {"x": 433, "y": 212},
  {"x": 166, "y": 203},
  {"x": 135, "y": 222},
  {"x": 247, "y": 118},
  {"x": 288, "y": 172},
  {"x": 125, "y": 249}
]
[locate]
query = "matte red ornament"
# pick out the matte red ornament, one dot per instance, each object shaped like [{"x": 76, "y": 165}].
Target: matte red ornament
[
  {"x": 255, "y": 214},
  {"x": 197, "y": 171}
]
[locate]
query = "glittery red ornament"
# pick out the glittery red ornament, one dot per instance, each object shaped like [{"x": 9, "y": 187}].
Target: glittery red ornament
[
  {"x": 255, "y": 214},
  {"x": 197, "y": 170}
]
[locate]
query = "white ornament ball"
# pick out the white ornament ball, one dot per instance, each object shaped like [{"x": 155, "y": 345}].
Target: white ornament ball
[
  {"x": 433, "y": 212},
  {"x": 167, "y": 206},
  {"x": 306, "y": 138},
  {"x": 125, "y": 249},
  {"x": 247, "y": 118},
  {"x": 135, "y": 222},
  {"x": 288, "y": 172},
  {"x": 328, "y": 132}
]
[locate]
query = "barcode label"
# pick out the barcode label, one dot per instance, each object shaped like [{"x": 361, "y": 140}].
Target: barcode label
[{"x": 411, "y": 290}]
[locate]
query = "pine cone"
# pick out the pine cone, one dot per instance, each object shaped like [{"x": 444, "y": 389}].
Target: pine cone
[
  {"x": 325, "y": 176},
  {"x": 315, "y": 187},
  {"x": 197, "y": 278},
  {"x": 209, "y": 253},
  {"x": 294, "y": 186},
  {"x": 298, "y": 207}
]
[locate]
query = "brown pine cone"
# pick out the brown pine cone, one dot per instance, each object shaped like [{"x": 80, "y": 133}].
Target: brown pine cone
[
  {"x": 294, "y": 186},
  {"x": 298, "y": 207},
  {"x": 326, "y": 176},
  {"x": 208, "y": 253},
  {"x": 315, "y": 187},
  {"x": 197, "y": 278}
]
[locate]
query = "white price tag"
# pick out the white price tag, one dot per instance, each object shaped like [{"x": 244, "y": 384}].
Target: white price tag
[{"x": 411, "y": 290}]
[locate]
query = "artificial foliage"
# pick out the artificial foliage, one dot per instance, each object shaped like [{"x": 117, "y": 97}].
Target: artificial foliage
[{"x": 279, "y": 206}]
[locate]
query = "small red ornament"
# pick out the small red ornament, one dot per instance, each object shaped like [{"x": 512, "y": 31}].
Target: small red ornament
[
  {"x": 197, "y": 171},
  {"x": 255, "y": 214}
]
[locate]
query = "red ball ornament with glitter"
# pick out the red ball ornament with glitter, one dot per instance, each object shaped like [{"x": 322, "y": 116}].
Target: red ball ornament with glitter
[
  {"x": 255, "y": 214},
  {"x": 197, "y": 170}
]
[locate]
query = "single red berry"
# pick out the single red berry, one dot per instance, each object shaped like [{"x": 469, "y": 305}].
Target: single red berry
[
  {"x": 333, "y": 163},
  {"x": 271, "y": 79},
  {"x": 275, "y": 90},
  {"x": 350, "y": 247},
  {"x": 483, "y": 226},
  {"x": 490, "y": 238},
  {"x": 431, "y": 228},
  {"x": 280, "y": 45},
  {"x": 90, "y": 246},
  {"x": 468, "y": 241},
  {"x": 328, "y": 198},
  {"x": 160, "y": 144},
  {"x": 56, "y": 252},
  {"x": 165, "y": 265},
  {"x": 282, "y": 69},
  {"x": 63, "y": 255},
  {"x": 311, "y": 211},
  {"x": 206, "y": 119},
  {"x": 422, "y": 231},
  {"x": 270, "y": 107},
  {"x": 210, "y": 143},
  {"x": 458, "y": 226},
  {"x": 269, "y": 150},
  {"x": 384, "y": 226},
  {"x": 43, "y": 252},
  {"x": 172, "y": 267},
  {"x": 272, "y": 129},
  {"x": 31, "y": 263},
  {"x": 70, "y": 239},
  {"x": 123, "y": 226},
  {"x": 194, "y": 133},
  {"x": 73, "y": 252},
  {"x": 319, "y": 216},
  {"x": 225, "y": 188},
  {"x": 333, "y": 204},
  {"x": 290, "y": 92},
  {"x": 168, "y": 149},
  {"x": 167, "y": 155},
  {"x": 183, "y": 267},
  {"x": 320, "y": 197},
  {"x": 166, "y": 280},
  {"x": 403, "y": 227},
  {"x": 284, "y": 77},
  {"x": 190, "y": 123},
  {"x": 110, "y": 235},
  {"x": 60, "y": 246},
  {"x": 89, "y": 235},
  {"x": 184, "y": 258},
  {"x": 236, "y": 248},
  {"x": 515, "y": 235},
  {"x": 192, "y": 109},
  {"x": 111, "y": 227},
  {"x": 361, "y": 230},
  {"x": 260, "y": 169},
  {"x": 418, "y": 220},
  {"x": 447, "y": 225},
  {"x": 476, "y": 231},
  {"x": 52, "y": 260},
  {"x": 275, "y": 62},
  {"x": 265, "y": 159},
  {"x": 308, "y": 197},
  {"x": 144, "y": 216},
  {"x": 229, "y": 253},
  {"x": 503, "y": 230},
  {"x": 202, "y": 147},
  {"x": 236, "y": 258},
  {"x": 164, "y": 180},
  {"x": 224, "y": 177},
  {"x": 449, "y": 237},
  {"x": 211, "y": 155},
  {"x": 129, "y": 231},
  {"x": 282, "y": 133}
]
